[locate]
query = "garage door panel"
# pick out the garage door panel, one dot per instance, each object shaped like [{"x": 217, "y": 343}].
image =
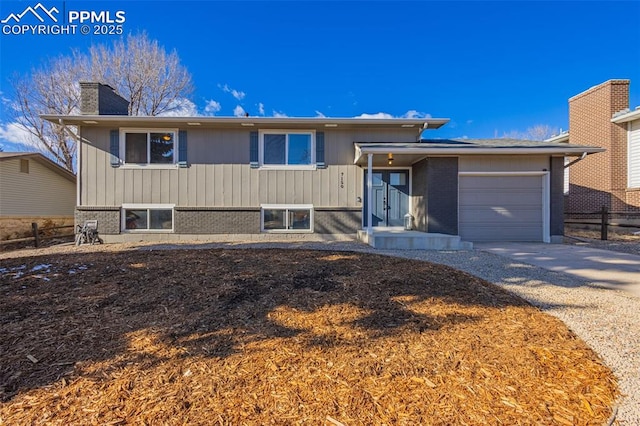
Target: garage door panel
[
  {"x": 500, "y": 208},
  {"x": 491, "y": 198},
  {"x": 501, "y": 216},
  {"x": 501, "y": 183},
  {"x": 531, "y": 233}
]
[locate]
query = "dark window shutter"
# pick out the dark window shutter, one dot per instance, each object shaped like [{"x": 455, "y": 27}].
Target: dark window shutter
[
  {"x": 253, "y": 150},
  {"x": 182, "y": 148},
  {"x": 320, "y": 150},
  {"x": 115, "y": 148}
]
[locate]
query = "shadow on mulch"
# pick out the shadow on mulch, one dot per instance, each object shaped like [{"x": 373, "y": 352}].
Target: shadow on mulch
[{"x": 94, "y": 315}]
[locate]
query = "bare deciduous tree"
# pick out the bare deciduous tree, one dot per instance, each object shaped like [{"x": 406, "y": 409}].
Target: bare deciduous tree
[
  {"x": 539, "y": 132},
  {"x": 52, "y": 89},
  {"x": 141, "y": 70},
  {"x": 138, "y": 68}
]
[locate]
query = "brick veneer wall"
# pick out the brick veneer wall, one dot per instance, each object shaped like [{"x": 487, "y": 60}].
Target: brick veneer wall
[
  {"x": 99, "y": 99},
  {"x": 442, "y": 195},
  {"x": 108, "y": 218},
  {"x": 209, "y": 221},
  {"x": 600, "y": 179},
  {"x": 557, "y": 196},
  {"x": 337, "y": 221}
]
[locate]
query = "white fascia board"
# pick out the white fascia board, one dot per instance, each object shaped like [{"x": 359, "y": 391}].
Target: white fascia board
[
  {"x": 568, "y": 151},
  {"x": 248, "y": 122},
  {"x": 561, "y": 138},
  {"x": 629, "y": 116}
]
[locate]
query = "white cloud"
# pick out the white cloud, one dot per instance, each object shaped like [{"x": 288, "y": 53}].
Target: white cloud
[
  {"x": 261, "y": 108},
  {"x": 409, "y": 114},
  {"x": 239, "y": 95},
  {"x": 212, "y": 107},
  {"x": 279, "y": 114},
  {"x": 469, "y": 121},
  {"x": 16, "y": 134},
  {"x": 376, "y": 115},
  {"x": 412, "y": 113},
  {"x": 320, "y": 115},
  {"x": 182, "y": 108},
  {"x": 238, "y": 111}
]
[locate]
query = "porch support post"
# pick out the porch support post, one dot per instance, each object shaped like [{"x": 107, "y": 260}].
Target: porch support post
[{"x": 369, "y": 194}]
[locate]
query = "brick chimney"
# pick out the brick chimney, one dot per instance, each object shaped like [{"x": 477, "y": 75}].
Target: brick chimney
[
  {"x": 100, "y": 99},
  {"x": 601, "y": 179}
]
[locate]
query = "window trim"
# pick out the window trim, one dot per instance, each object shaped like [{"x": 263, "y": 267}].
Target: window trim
[
  {"x": 123, "y": 219},
  {"x": 148, "y": 131},
  {"x": 287, "y": 207},
  {"x": 311, "y": 166}
]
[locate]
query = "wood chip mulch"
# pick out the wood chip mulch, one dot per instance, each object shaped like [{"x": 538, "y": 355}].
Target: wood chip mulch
[{"x": 234, "y": 337}]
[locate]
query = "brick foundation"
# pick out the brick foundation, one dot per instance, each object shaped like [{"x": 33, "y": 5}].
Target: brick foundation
[
  {"x": 337, "y": 221},
  {"x": 108, "y": 218},
  {"x": 218, "y": 221}
]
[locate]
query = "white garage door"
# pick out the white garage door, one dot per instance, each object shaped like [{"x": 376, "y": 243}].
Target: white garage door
[{"x": 501, "y": 207}]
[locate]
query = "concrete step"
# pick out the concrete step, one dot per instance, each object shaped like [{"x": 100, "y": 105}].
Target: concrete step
[{"x": 412, "y": 240}]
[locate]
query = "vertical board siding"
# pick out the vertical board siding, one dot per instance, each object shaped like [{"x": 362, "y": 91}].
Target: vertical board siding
[
  {"x": 634, "y": 155},
  {"x": 41, "y": 192},
  {"x": 219, "y": 174}
]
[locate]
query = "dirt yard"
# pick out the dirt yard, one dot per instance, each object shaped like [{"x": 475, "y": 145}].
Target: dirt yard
[{"x": 280, "y": 337}]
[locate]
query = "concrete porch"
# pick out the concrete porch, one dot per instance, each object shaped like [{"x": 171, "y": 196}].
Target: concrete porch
[{"x": 400, "y": 239}]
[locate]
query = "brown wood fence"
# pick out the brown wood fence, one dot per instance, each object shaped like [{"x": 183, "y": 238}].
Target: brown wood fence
[
  {"x": 604, "y": 218},
  {"x": 38, "y": 234}
]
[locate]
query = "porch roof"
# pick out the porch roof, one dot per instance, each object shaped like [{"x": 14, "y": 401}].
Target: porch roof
[{"x": 409, "y": 153}]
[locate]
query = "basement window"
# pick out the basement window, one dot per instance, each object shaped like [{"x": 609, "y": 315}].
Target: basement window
[
  {"x": 287, "y": 218},
  {"x": 147, "y": 218}
]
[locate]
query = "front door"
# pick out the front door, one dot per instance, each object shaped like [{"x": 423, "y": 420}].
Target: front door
[{"x": 390, "y": 196}]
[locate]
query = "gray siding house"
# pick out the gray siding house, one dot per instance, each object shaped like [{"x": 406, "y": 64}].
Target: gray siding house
[{"x": 229, "y": 178}]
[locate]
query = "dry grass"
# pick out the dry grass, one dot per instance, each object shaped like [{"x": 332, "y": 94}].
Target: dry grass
[{"x": 281, "y": 337}]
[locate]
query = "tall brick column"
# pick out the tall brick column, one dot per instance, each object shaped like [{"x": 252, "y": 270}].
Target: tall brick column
[{"x": 600, "y": 179}]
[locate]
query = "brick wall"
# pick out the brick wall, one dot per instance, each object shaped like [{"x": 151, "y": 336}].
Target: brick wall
[
  {"x": 189, "y": 221},
  {"x": 557, "y": 196},
  {"x": 108, "y": 218},
  {"x": 100, "y": 99},
  {"x": 442, "y": 195},
  {"x": 599, "y": 179},
  {"x": 337, "y": 221}
]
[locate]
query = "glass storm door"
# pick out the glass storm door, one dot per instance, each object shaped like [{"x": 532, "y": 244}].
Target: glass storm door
[{"x": 390, "y": 196}]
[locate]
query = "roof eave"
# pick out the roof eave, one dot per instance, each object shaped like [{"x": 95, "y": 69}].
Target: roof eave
[
  {"x": 569, "y": 151},
  {"x": 247, "y": 122},
  {"x": 629, "y": 116}
]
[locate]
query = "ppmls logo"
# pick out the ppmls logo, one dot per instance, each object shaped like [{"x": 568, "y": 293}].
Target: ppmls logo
[
  {"x": 34, "y": 11},
  {"x": 40, "y": 20}
]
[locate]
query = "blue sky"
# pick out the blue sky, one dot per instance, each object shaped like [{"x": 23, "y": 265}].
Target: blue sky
[{"x": 491, "y": 67}]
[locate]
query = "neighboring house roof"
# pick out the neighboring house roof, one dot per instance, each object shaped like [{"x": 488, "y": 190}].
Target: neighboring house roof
[
  {"x": 36, "y": 156},
  {"x": 414, "y": 151},
  {"x": 247, "y": 122},
  {"x": 561, "y": 138},
  {"x": 626, "y": 116}
]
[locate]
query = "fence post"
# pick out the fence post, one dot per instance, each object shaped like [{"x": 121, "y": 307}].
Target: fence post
[
  {"x": 604, "y": 225},
  {"x": 36, "y": 237}
]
